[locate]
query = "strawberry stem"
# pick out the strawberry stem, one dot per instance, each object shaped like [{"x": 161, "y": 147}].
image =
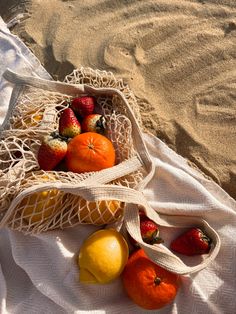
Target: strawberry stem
[
  {"x": 157, "y": 240},
  {"x": 154, "y": 239},
  {"x": 204, "y": 237},
  {"x": 57, "y": 135},
  {"x": 101, "y": 125}
]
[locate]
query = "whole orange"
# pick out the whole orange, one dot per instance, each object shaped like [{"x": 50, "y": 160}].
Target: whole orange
[
  {"x": 147, "y": 284},
  {"x": 99, "y": 213},
  {"x": 89, "y": 151}
]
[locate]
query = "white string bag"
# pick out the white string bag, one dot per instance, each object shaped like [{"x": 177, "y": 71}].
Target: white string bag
[{"x": 67, "y": 197}]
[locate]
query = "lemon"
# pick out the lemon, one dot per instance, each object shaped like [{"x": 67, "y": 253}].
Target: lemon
[
  {"x": 31, "y": 119},
  {"x": 100, "y": 213},
  {"x": 102, "y": 256},
  {"x": 39, "y": 206}
]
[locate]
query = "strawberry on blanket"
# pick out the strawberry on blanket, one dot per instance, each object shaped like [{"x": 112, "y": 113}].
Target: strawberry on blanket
[
  {"x": 192, "y": 242},
  {"x": 149, "y": 231}
]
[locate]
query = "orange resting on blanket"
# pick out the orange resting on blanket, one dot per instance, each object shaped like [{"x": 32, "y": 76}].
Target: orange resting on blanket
[{"x": 147, "y": 284}]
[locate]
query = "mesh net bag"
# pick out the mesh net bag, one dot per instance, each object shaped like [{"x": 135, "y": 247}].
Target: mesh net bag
[
  {"x": 34, "y": 112},
  {"x": 34, "y": 201}
]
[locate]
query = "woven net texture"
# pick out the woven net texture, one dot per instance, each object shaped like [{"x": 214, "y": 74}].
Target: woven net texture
[{"x": 35, "y": 115}]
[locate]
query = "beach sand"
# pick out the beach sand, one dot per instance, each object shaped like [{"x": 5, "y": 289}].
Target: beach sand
[{"x": 178, "y": 57}]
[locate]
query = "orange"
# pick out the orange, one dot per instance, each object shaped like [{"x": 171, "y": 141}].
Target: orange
[
  {"x": 89, "y": 151},
  {"x": 147, "y": 284},
  {"x": 99, "y": 213}
]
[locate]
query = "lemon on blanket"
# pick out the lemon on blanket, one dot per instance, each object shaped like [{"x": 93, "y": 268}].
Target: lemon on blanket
[{"x": 102, "y": 256}]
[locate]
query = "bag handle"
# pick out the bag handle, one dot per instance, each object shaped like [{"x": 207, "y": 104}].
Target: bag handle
[
  {"x": 38, "y": 82},
  {"x": 160, "y": 254},
  {"x": 100, "y": 177}
]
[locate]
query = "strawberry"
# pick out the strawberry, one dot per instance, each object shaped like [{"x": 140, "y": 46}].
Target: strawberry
[
  {"x": 192, "y": 242},
  {"x": 52, "y": 150},
  {"x": 149, "y": 231},
  {"x": 83, "y": 106},
  {"x": 93, "y": 123},
  {"x": 69, "y": 126}
]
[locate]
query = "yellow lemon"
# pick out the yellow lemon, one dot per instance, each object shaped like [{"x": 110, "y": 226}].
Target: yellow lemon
[
  {"x": 102, "y": 256},
  {"x": 100, "y": 213},
  {"x": 32, "y": 119},
  {"x": 40, "y": 205}
]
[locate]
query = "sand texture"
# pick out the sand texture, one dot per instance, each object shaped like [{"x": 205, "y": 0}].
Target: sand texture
[{"x": 179, "y": 58}]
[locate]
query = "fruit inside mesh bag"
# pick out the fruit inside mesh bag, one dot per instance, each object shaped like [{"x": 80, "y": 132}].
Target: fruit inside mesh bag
[
  {"x": 63, "y": 142},
  {"x": 52, "y": 208}
]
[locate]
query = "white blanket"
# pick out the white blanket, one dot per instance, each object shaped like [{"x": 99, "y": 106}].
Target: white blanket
[{"x": 38, "y": 274}]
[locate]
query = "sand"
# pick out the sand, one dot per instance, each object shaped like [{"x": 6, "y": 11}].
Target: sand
[{"x": 179, "y": 58}]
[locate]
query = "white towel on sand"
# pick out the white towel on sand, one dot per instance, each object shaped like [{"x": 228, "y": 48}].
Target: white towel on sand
[{"x": 38, "y": 274}]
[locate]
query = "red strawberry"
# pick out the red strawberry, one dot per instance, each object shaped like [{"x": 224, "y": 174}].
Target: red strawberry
[
  {"x": 191, "y": 242},
  {"x": 69, "y": 126},
  {"x": 149, "y": 231},
  {"x": 83, "y": 106},
  {"x": 52, "y": 150},
  {"x": 93, "y": 123}
]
